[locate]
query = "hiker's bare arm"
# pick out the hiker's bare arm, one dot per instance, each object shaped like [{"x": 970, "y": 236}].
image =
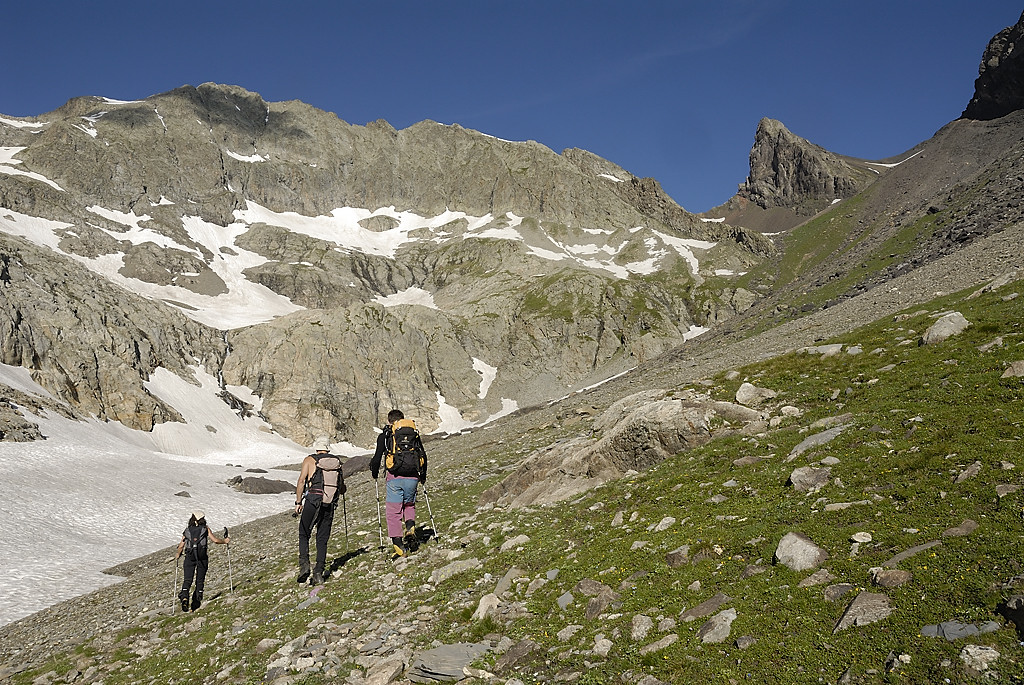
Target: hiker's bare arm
[
  {"x": 308, "y": 465},
  {"x": 216, "y": 539},
  {"x": 181, "y": 547}
]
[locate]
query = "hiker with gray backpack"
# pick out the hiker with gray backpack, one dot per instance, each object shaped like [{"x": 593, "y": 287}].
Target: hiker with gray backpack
[
  {"x": 194, "y": 543},
  {"x": 320, "y": 486}
]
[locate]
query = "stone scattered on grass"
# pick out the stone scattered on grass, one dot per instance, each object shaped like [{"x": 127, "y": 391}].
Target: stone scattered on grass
[
  {"x": 968, "y": 473},
  {"x": 947, "y": 326},
  {"x": 816, "y": 440},
  {"x": 978, "y": 658},
  {"x": 517, "y": 653},
  {"x": 819, "y": 577},
  {"x": 567, "y": 633},
  {"x": 749, "y": 395},
  {"x": 799, "y": 553},
  {"x": 705, "y": 608},
  {"x": 965, "y": 528},
  {"x": 680, "y": 556},
  {"x": 809, "y": 479},
  {"x": 602, "y": 646},
  {"x": 917, "y": 549},
  {"x": 661, "y": 644},
  {"x": 642, "y": 625},
  {"x": 1014, "y": 370},
  {"x": 866, "y": 608},
  {"x": 717, "y": 629},
  {"x": 488, "y": 606},
  {"x": 745, "y": 641},
  {"x": 890, "y": 577},
  {"x": 517, "y": 541}
]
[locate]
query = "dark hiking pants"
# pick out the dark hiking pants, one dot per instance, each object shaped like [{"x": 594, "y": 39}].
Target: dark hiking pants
[
  {"x": 194, "y": 567},
  {"x": 321, "y": 516}
]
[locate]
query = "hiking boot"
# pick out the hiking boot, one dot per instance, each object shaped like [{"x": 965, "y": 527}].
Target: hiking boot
[
  {"x": 183, "y": 598},
  {"x": 318, "y": 578},
  {"x": 399, "y": 548},
  {"x": 303, "y": 572},
  {"x": 412, "y": 540}
]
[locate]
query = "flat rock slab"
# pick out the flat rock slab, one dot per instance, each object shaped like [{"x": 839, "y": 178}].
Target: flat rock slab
[
  {"x": 816, "y": 440},
  {"x": 442, "y": 574},
  {"x": 958, "y": 630},
  {"x": 866, "y": 608},
  {"x": 705, "y": 608},
  {"x": 445, "y": 663},
  {"x": 909, "y": 553},
  {"x": 965, "y": 528}
]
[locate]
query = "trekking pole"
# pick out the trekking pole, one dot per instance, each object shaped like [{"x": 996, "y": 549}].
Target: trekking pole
[
  {"x": 231, "y": 582},
  {"x": 380, "y": 526},
  {"x": 437, "y": 536},
  {"x": 344, "y": 511},
  {"x": 174, "y": 588}
]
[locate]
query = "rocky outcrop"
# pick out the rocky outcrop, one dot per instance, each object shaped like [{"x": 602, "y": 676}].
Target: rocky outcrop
[
  {"x": 999, "y": 88},
  {"x": 90, "y": 344},
  {"x": 789, "y": 171},
  {"x": 633, "y": 434}
]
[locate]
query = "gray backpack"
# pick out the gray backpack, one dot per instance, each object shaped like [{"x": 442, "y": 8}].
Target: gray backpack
[{"x": 327, "y": 480}]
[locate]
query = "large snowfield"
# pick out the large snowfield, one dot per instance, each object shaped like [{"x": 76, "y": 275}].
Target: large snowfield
[{"x": 94, "y": 494}]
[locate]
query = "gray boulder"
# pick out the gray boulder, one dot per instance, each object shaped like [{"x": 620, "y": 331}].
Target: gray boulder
[
  {"x": 948, "y": 325},
  {"x": 260, "y": 486},
  {"x": 751, "y": 396},
  {"x": 718, "y": 627},
  {"x": 799, "y": 553},
  {"x": 809, "y": 478}
]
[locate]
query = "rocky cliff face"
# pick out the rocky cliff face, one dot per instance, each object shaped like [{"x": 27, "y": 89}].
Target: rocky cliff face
[
  {"x": 353, "y": 268},
  {"x": 999, "y": 88},
  {"x": 89, "y": 343},
  {"x": 789, "y": 171}
]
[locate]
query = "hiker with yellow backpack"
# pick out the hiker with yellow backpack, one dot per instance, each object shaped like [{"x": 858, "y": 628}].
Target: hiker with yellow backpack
[{"x": 405, "y": 461}]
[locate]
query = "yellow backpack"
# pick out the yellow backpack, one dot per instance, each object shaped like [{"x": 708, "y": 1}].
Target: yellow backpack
[{"x": 405, "y": 454}]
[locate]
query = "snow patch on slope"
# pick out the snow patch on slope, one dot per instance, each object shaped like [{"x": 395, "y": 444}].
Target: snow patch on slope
[
  {"x": 413, "y": 295},
  {"x": 7, "y": 162}
]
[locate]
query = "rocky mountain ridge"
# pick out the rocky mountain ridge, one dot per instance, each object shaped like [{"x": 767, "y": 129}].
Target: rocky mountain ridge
[{"x": 301, "y": 235}]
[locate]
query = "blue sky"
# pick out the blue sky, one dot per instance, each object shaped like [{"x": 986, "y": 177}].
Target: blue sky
[{"x": 669, "y": 89}]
